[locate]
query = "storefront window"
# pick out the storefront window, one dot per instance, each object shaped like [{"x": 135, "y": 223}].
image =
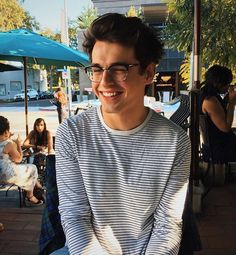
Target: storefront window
[
  {"x": 2, "y": 89},
  {"x": 15, "y": 86}
]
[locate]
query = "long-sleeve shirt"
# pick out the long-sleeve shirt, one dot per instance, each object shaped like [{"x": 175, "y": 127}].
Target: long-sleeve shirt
[{"x": 121, "y": 192}]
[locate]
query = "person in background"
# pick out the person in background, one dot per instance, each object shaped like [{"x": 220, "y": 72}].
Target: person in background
[
  {"x": 122, "y": 169},
  {"x": 22, "y": 175},
  {"x": 39, "y": 139},
  {"x": 60, "y": 102},
  {"x": 218, "y": 100},
  {"x": 41, "y": 142}
]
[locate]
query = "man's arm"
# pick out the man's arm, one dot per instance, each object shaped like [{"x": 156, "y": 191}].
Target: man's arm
[
  {"x": 73, "y": 202},
  {"x": 167, "y": 229}
]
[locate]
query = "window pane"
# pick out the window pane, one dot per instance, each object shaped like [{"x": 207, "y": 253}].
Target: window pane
[
  {"x": 15, "y": 86},
  {"x": 2, "y": 89}
]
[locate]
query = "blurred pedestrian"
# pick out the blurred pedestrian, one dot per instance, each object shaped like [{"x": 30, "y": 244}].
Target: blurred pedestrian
[{"x": 60, "y": 102}]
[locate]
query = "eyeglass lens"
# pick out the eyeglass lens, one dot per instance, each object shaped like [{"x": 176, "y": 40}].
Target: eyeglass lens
[{"x": 116, "y": 72}]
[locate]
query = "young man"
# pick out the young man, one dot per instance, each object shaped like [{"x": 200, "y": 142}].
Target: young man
[{"x": 122, "y": 169}]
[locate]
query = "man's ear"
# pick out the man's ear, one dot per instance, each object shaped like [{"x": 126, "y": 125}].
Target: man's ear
[{"x": 150, "y": 72}]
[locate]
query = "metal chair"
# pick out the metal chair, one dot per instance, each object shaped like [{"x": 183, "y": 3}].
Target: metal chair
[
  {"x": 20, "y": 192},
  {"x": 181, "y": 115}
]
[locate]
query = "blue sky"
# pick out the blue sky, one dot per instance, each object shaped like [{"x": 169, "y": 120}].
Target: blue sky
[{"x": 48, "y": 12}]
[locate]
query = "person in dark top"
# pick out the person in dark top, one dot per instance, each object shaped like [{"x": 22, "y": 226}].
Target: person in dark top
[
  {"x": 41, "y": 142},
  {"x": 217, "y": 101},
  {"x": 39, "y": 139}
]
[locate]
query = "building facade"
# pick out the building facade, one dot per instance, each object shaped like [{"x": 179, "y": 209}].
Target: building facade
[
  {"x": 12, "y": 82},
  {"x": 155, "y": 13}
]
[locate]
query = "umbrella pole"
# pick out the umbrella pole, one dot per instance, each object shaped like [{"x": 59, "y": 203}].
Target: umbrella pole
[
  {"x": 26, "y": 96},
  {"x": 194, "y": 128}
]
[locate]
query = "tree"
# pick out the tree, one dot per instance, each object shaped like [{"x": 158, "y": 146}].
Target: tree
[
  {"x": 218, "y": 34},
  {"x": 132, "y": 12},
  {"x": 30, "y": 22},
  {"x": 13, "y": 16},
  {"x": 87, "y": 16}
]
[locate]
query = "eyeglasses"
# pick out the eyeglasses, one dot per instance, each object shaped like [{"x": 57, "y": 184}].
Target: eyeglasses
[{"x": 117, "y": 72}]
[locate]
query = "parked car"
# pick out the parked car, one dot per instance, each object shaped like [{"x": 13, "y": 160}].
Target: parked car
[
  {"x": 46, "y": 95},
  {"x": 31, "y": 94}
]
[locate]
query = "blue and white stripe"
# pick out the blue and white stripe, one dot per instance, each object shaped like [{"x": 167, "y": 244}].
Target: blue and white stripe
[{"x": 121, "y": 192}]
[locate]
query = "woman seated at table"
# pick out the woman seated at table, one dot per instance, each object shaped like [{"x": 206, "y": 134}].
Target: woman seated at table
[
  {"x": 218, "y": 100},
  {"x": 40, "y": 140},
  {"x": 11, "y": 172}
]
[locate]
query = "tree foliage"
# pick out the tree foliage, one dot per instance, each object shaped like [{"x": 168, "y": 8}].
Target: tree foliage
[
  {"x": 132, "y": 12},
  {"x": 30, "y": 22},
  {"x": 218, "y": 33},
  {"x": 87, "y": 16},
  {"x": 13, "y": 16}
]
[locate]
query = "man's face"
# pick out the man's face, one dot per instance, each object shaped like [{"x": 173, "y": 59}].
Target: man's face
[{"x": 123, "y": 96}]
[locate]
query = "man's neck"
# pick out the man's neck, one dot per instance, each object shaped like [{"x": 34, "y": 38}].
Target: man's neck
[{"x": 124, "y": 121}]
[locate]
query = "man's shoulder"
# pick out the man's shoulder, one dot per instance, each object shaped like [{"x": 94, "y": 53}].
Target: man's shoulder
[
  {"x": 87, "y": 117},
  {"x": 165, "y": 127},
  {"x": 162, "y": 121}
]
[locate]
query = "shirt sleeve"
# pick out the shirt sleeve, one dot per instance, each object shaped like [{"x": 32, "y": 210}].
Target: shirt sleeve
[
  {"x": 74, "y": 206},
  {"x": 167, "y": 229}
]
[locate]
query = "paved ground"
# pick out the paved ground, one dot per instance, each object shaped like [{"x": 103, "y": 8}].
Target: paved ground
[
  {"x": 22, "y": 225},
  {"x": 217, "y": 224}
]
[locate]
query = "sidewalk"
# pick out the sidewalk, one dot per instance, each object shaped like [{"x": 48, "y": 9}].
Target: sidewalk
[
  {"x": 217, "y": 224},
  {"x": 22, "y": 226}
]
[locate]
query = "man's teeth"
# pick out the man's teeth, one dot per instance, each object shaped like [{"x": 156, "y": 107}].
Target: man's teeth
[{"x": 110, "y": 94}]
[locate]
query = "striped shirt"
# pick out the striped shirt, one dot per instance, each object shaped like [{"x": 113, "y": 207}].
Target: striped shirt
[{"x": 121, "y": 192}]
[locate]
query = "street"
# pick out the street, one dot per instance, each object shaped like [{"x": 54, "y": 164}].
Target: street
[
  {"x": 15, "y": 113},
  {"x": 33, "y": 103}
]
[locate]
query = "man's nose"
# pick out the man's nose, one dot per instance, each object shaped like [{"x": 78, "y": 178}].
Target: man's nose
[{"x": 106, "y": 77}]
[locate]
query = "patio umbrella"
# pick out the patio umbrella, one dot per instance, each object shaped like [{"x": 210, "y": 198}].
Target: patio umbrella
[
  {"x": 29, "y": 47},
  {"x": 5, "y": 67}
]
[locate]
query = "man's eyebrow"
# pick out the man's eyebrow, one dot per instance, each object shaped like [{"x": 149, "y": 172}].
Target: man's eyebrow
[
  {"x": 113, "y": 64},
  {"x": 119, "y": 63},
  {"x": 95, "y": 64}
]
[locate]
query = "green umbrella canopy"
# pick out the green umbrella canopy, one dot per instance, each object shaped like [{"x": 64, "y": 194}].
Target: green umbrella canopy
[
  {"x": 19, "y": 43},
  {"x": 29, "y": 47}
]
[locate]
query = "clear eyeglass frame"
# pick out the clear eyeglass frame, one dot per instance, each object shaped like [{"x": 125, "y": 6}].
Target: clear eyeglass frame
[{"x": 118, "y": 72}]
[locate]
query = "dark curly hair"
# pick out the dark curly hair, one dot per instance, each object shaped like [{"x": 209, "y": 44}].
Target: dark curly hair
[
  {"x": 217, "y": 77},
  {"x": 129, "y": 32},
  {"x": 4, "y": 125}
]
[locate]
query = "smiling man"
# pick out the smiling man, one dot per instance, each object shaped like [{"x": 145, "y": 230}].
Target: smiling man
[{"x": 122, "y": 169}]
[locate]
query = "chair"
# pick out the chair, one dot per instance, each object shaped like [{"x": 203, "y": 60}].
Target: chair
[
  {"x": 52, "y": 236},
  {"x": 20, "y": 191},
  {"x": 180, "y": 116},
  {"x": 190, "y": 236},
  {"x": 206, "y": 155},
  {"x": 40, "y": 162}
]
